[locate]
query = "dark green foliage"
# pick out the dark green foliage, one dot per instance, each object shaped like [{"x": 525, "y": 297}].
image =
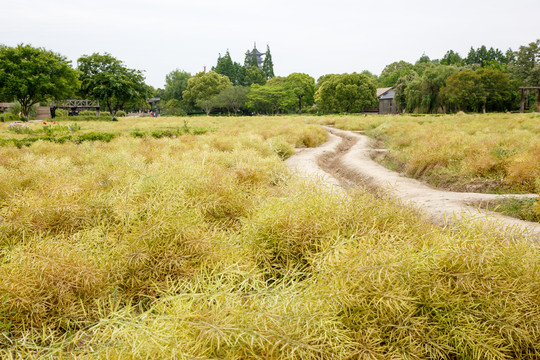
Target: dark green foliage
[
  {"x": 452, "y": 58},
  {"x": 232, "y": 98},
  {"x": 393, "y": 72},
  {"x": 272, "y": 98},
  {"x": 225, "y": 66},
  {"x": 250, "y": 59},
  {"x": 483, "y": 57},
  {"x": 254, "y": 75},
  {"x": 303, "y": 88},
  {"x": 94, "y": 136},
  {"x": 350, "y": 93},
  {"x": 480, "y": 90},
  {"x": 77, "y": 139},
  {"x": 268, "y": 65},
  {"x": 32, "y": 75},
  {"x": 526, "y": 67},
  {"x": 175, "y": 84},
  {"x": 106, "y": 79},
  {"x": 203, "y": 87},
  {"x": 420, "y": 93},
  {"x": 171, "y": 132}
]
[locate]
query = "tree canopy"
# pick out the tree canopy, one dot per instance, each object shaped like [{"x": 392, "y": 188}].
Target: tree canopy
[
  {"x": 347, "y": 93},
  {"x": 268, "y": 65},
  {"x": 273, "y": 97},
  {"x": 175, "y": 84},
  {"x": 203, "y": 86},
  {"x": 31, "y": 75},
  {"x": 108, "y": 80},
  {"x": 483, "y": 89},
  {"x": 303, "y": 88}
]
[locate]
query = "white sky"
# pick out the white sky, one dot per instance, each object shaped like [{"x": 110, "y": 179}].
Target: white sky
[{"x": 315, "y": 37}]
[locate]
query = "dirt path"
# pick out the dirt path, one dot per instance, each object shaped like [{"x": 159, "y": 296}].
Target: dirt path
[{"x": 346, "y": 157}]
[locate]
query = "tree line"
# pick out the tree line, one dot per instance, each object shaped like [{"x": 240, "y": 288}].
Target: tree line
[{"x": 484, "y": 80}]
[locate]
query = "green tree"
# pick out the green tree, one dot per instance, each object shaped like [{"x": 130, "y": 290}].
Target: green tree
[
  {"x": 233, "y": 98},
  {"x": 347, "y": 93},
  {"x": 250, "y": 59},
  {"x": 108, "y": 80},
  {"x": 173, "y": 107},
  {"x": 321, "y": 80},
  {"x": 32, "y": 75},
  {"x": 526, "y": 66},
  {"x": 270, "y": 98},
  {"x": 203, "y": 86},
  {"x": 254, "y": 75},
  {"x": 498, "y": 89},
  {"x": 393, "y": 72},
  {"x": 399, "y": 89},
  {"x": 268, "y": 65},
  {"x": 303, "y": 88},
  {"x": 433, "y": 80},
  {"x": 452, "y": 58},
  {"x": 175, "y": 84},
  {"x": 463, "y": 91}
]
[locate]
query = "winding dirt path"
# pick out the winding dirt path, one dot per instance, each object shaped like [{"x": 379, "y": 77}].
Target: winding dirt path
[{"x": 346, "y": 160}]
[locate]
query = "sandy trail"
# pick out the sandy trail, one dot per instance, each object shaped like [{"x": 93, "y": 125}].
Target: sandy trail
[{"x": 347, "y": 157}]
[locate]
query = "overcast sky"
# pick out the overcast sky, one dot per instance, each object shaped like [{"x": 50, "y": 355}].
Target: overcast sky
[{"x": 311, "y": 36}]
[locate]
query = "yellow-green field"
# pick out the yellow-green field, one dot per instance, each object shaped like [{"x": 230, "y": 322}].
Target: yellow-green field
[
  {"x": 494, "y": 153},
  {"x": 198, "y": 243}
]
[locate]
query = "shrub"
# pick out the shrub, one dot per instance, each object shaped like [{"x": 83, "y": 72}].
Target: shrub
[
  {"x": 87, "y": 113},
  {"x": 62, "y": 112},
  {"x": 95, "y": 136}
]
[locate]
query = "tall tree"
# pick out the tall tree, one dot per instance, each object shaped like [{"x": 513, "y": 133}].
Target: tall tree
[
  {"x": 452, "y": 58},
  {"x": 225, "y": 66},
  {"x": 233, "y": 98},
  {"x": 175, "y": 84},
  {"x": 203, "y": 86},
  {"x": 303, "y": 88},
  {"x": 497, "y": 89},
  {"x": 268, "y": 65},
  {"x": 347, "y": 93},
  {"x": 526, "y": 66},
  {"x": 250, "y": 59},
  {"x": 393, "y": 72},
  {"x": 108, "y": 80},
  {"x": 31, "y": 75},
  {"x": 270, "y": 98},
  {"x": 463, "y": 91},
  {"x": 254, "y": 75}
]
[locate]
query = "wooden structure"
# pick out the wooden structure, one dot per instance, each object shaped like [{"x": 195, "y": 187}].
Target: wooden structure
[
  {"x": 154, "y": 104},
  {"x": 523, "y": 89},
  {"x": 74, "y": 106},
  {"x": 387, "y": 104}
]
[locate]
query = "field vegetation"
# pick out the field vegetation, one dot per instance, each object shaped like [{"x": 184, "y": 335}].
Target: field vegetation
[
  {"x": 204, "y": 246},
  {"x": 493, "y": 153}
]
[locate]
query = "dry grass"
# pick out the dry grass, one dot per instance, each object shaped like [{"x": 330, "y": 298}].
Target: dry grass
[
  {"x": 493, "y": 152},
  {"x": 203, "y": 246}
]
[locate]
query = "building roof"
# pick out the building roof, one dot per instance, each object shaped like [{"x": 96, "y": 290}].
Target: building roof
[{"x": 382, "y": 91}]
